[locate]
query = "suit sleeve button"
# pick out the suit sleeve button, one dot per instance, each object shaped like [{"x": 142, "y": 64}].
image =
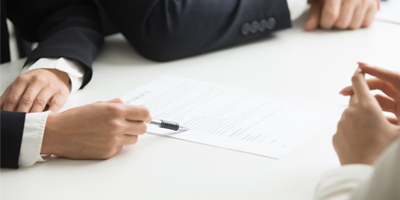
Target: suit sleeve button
[
  {"x": 271, "y": 23},
  {"x": 255, "y": 26},
  {"x": 263, "y": 25},
  {"x": 246, "y": 28}
]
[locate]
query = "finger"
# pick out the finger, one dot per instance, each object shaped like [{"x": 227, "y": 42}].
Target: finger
[
  {"x": 314, "y": 15},
  {"x": 4, "y": 95},
  {"x": 392, "y": 120},
  {"x": 12, "y": 100},
  {"x": 384, "y": 74},
  {"x": 387, "y": 104},
  {"x": 27, "y": 100},
  {"x": 42, "y": 99},
  {"x": 360, "y": 87},
  {"x": 346, "y": 14},
  {"x": 135, "y": 128},
  {"x": 358, "y": 17},
  {"x": 330, "y": 13},
  {"x": 56, "y": 102},
  {"x": 376, "y": 84},
  {"x": 353, "y": 100},
  {"x": 129, "y": 139},
  {"x": 347, "y": 91},
  {"x": 136, "y": 113},
  {"x": 370, "y": 15}
]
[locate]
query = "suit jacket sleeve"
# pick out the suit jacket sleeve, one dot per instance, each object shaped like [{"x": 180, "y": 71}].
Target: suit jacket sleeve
[
  {"x": 12, "y": 127},
  {"x": 164, "y": 30},
  {"x": 63, "y": 28}
]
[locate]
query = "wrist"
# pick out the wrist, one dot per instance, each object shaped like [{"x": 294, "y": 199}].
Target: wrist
[
  {"x": 63, "y": 77},
  {"x": 49, "y": 144}
]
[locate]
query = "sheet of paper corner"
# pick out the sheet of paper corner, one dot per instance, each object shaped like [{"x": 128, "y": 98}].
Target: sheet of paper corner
[{"x": 333, "y": 113}]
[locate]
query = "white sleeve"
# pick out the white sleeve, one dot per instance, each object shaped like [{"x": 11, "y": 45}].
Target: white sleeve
[
  {"x": 296, "y": 8},
  {"x": 32, "y": 138},
  {"x": 362, "y": 182},
  {"x": 73, "y": 68}
]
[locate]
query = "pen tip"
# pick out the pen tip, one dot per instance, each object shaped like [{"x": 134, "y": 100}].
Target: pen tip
[{"x": 183, "y": 128}]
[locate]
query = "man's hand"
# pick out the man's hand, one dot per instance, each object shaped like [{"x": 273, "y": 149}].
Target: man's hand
[
  {"x": 341, "y": 14},
  {"x": 364, "y": 132},
  {"x": 94, "y": 131},
  {"x": 33, "y": 90}
]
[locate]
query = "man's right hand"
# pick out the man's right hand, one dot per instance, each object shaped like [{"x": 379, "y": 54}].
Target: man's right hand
[{"x": 94, "y": 131}]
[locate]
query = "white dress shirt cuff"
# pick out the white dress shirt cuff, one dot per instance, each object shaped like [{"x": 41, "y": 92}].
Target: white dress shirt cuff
[
  {"x": 341, "y": 182},
  {"x": 32, "y": 138},
  {"x": 296, "y": 8},
  {"x": 73, "y": 68}
]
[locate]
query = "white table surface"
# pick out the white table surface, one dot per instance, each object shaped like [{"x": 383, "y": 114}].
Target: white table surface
[{"x": 312, "y": 65}]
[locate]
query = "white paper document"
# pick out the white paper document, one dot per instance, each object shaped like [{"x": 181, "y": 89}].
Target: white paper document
[
  {"x": 389, "y": 11},
  {"x": 233, "y": 118}
]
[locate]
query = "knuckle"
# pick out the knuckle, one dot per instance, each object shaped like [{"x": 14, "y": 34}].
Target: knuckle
[
  {"x": 12, "y": 100},
  {"x": 56, "y": 103},
  {"x": 22, "y": 78},
  {"x": 347, "y": 114},
  {"x": 367, "y": 106},
  {"x": 39, "y": 78},
  {"x": 115, "y": 125},
  {"x": 115, "y": 109},
  {"x": 40, "y": 101},
  {"x": 372, "y": 4},
  {"x": 330, "y": 15},
  {"x": 26, "y": 99},
  {"x": 55, "y": 88}
]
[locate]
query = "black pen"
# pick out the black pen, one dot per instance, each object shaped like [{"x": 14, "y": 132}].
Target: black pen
[{"x": 169, "y": 125}]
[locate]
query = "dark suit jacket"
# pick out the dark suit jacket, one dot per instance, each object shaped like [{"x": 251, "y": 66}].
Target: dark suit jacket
[
  {"x": 165, "y": 30},
  {"x": 160, "y": 30},
  {"x": 11, "y": 127}
]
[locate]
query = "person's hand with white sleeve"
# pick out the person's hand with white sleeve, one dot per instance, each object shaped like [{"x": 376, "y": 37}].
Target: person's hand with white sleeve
[{"x": 46, "y": 82}]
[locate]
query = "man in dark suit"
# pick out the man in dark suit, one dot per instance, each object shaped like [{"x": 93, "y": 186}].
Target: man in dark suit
[{"x": 64, "y": 29}]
